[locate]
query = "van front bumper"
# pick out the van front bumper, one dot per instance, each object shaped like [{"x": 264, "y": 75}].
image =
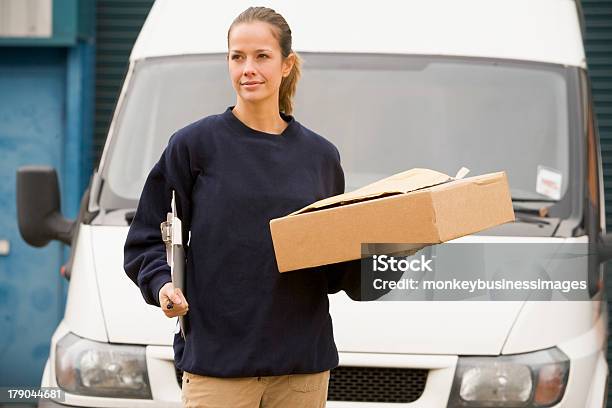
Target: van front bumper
[
  {"x": 52, "y": 404},
  {"x": 586, "y": 385}
]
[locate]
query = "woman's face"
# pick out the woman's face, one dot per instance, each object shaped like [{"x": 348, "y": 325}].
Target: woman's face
[{"x": 256, "y": 66}]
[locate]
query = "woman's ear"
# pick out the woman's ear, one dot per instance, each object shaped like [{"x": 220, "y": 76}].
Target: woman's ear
[{"x": 288, "y": 64}]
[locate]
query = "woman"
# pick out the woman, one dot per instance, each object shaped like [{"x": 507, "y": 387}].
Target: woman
[{"x": 255, "y": 336}]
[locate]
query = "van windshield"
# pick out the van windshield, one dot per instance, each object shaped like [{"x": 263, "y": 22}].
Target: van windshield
[{"x": 385, "y": 113}]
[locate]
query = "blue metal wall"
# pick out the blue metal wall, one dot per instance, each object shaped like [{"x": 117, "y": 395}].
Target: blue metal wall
[
  {"x": 33, "y": 86},
  {"x": 46, "y": 115}
]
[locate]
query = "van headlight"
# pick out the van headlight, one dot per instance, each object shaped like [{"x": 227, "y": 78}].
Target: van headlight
[
  {"x": 535, "y": 379},
  {"x": 87, "y": 367}
]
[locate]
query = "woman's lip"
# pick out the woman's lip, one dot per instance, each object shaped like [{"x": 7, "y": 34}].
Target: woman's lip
[
  {"x": 251, "y": 86},
  {"x": 252, "y": 83}
]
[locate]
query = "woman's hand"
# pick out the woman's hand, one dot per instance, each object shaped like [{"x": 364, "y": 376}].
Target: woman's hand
[{"x": 169, "y": 295}]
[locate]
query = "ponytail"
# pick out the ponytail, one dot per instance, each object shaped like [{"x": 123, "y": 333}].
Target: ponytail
[{"x": 288, "y": 86}]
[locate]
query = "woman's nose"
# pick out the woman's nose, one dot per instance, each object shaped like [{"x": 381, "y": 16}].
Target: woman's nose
[{"x": 249, "y": 67}]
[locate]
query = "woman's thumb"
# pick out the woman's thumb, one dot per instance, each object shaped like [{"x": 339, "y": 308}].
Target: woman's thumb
[
  {"x": 176, "y": 297},
  {"x": 166, "y": 291}
]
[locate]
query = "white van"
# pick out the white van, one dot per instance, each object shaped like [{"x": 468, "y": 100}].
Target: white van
[{"x": 494, "y": 85}]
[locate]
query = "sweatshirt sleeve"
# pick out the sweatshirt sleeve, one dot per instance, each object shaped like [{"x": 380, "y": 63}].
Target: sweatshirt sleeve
[
  {"x": 347, "y": 275},
  {"x": 343, "y": 275},
  {"x": 144, "y": 258}
]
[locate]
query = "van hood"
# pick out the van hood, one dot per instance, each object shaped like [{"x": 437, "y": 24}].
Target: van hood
[
  {"x": 415, "y": 327},
  {"x": 422, "y": 327},
  {"x": 128, "y": 318}
]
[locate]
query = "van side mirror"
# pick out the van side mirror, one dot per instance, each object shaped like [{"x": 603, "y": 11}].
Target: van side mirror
[
  {"x": 39, "y": 208},
  {"x": 604, "y": 248}
]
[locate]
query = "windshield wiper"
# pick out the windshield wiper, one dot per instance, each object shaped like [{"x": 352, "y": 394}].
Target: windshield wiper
[
  {"x": 530, "y": 212},
  {"x": 537, "y": 206},
  {"x": 129, "y": 216},
  {"x": 535, "y": 211},
  {"x": 532, "y": 200}
]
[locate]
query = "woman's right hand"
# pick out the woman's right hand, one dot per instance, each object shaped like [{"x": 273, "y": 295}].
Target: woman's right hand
[{"x": 169, "y": 295}]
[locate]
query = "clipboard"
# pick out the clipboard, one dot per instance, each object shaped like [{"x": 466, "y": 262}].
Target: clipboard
[{"x": 172, "y": 235}]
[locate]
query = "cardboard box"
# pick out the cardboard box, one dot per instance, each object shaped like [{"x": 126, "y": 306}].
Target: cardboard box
[{"x": 419, "y": 206}]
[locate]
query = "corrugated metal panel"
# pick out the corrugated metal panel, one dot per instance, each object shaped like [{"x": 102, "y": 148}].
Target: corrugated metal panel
[
  {"x": 117, "y": 25},
  {"x": 598, "y": 43}
]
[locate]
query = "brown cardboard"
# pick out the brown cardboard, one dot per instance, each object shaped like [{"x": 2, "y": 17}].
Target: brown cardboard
[{"x": 415, "y": 206}]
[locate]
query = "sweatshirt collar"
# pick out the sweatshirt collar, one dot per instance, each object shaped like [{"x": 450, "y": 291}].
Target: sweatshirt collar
[{"x": 239, "y": 126}]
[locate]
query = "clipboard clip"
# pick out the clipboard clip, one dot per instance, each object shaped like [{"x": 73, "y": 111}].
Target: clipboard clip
[{"x": 172, "y": 236}]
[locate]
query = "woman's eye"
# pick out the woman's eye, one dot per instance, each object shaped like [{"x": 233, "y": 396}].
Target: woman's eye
[
  {"x": 234, "y": 57},
  {"x": 263, "y": 55}
]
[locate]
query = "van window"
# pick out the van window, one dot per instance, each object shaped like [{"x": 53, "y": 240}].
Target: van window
[{"x": 385, "y": 113}]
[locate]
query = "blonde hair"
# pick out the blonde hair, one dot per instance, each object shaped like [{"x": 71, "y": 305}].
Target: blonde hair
[{"x": 282, "y": 33}]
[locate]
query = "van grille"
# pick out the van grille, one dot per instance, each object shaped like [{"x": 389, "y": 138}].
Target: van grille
[
  {"x": 376, "y": 384},
  {"x": 370, "y": 384}
]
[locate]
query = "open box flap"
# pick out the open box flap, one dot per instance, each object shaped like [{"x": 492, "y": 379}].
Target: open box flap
[{"x": 400, "y": 183}]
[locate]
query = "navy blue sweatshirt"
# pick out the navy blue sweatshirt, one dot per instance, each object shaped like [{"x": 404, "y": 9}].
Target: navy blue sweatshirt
[{"x": 245, "y": 318}]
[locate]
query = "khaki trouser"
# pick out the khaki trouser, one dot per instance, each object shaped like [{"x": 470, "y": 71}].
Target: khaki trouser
[{"x": 283, "y": 391}]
